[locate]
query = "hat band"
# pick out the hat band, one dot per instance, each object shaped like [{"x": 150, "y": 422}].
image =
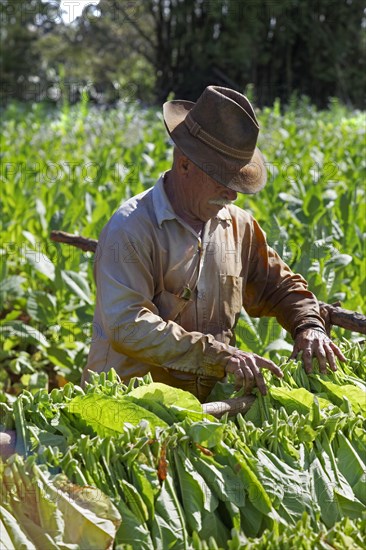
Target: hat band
[{"x": 196, "y": 131}]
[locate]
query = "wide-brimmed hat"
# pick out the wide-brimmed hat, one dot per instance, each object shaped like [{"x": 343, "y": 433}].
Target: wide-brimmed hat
[{"x": 219, "y": 134}]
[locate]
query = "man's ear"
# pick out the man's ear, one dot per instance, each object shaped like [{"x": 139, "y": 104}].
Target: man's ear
[{"x": 184, "y": 165}]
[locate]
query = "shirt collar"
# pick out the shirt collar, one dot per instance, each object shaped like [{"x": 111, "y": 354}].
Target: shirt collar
[
  {"x": 223, "y": 214},
  {"x": 164, "y": 210}
]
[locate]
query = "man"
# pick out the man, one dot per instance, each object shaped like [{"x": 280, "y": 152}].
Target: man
[{"x": 176, "y": 264}]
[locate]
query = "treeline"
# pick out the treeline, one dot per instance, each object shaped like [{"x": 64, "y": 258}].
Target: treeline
[{"x": 150, "y": 49}]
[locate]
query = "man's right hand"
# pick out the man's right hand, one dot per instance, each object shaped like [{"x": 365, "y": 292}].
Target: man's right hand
[{"x": 246, "y": 367}]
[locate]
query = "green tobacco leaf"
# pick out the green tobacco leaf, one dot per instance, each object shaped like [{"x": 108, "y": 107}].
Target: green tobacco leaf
[
  {"x": 312, "y": 205},
  {"x": 190, "y": 484},
  {"x": 299, "y": 400},
  {"x": 41, "y": 263},
  {"x": 41, "y": 211},
  {"x": 41, "y": 306},
  {"x": 255, "y": 414},
  {"x": 355, "y": 395},
  {"x": 25, "y": 332},
  {"x": 207, "y": 434},
  {"x": 21, "y": 364},
  {"x": 220, "y": 391},
  {"x": 287, "y": 487},
  {"x": 169, "y": 525},
  {"x": 351, "y": 466},
  {"x": 222, "y": 480},
  {"x": 11, "y": 287},
  {"x": 286, "y": 197},
  {"x": 132, "y": 533},
  {"x": 251, "y": 520},
  {"x": 180, "y": 403},
  {"x": 234, "y": 514},
  {"x": 256, "y": 492},
  {"x": 197, "y": 416},
  {"x": 340, "y": 260},
  {"x": 155, "y": 407},
  {"x": 214, "y": 530},
  {"x": 134, "y": 501},
  {"x": 30, "y": 237},
  {"x": 323, "y": 494},
  {"x": 199, "y": 502},
  {"x": 77, "y": 284},
  {"x": 347, "y": 534},
  {"x": 167, "y": 395},
  {"x": 60, "y": 356},
  {"x": 12, "y": 535},
  {"x": 146, "y": 481},
  {"x": 107, "y": 415},
  {"x": 350, "y": 507}
]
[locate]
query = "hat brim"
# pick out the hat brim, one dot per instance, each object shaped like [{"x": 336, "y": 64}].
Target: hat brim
[{"x": 236, "y": 174}]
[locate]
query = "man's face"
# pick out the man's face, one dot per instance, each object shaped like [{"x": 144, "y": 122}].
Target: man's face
[{"x": 204, "y": 196}]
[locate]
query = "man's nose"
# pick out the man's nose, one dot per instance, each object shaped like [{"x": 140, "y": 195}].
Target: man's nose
[{"x": 230, "y": 194}]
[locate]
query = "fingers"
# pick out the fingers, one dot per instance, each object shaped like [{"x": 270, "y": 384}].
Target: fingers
[
  {"x": 323, "y": 356},
  {"x": 307, "y": 355},
  {"x": 258, "y": 378},
  {"x": 246, "y": 369},
  {"x": 330, "y": 355},
  {"x": 312, "y": 344},
  {"x": 243, "y": 374},
  {"x": 337, "y": 351},
  {"x": 250, "y": 376},
  {"x": 324, "y": 353},
  {"x": 295, "y": 353},
  {"x": 331, "y": 350},
  {"x": 270, "y": 365}
]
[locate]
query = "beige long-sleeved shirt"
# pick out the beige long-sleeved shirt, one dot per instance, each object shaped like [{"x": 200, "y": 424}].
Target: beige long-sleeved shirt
[{"x": 168, "y": 298}]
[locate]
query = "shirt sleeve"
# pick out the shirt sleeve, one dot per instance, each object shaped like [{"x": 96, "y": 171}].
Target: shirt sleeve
[
  {"x": 124, "y": 274},
  {"x": 273, "y": 290}
]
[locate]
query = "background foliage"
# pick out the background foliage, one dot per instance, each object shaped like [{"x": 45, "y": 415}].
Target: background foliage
[{"x": 149, "y": 49}]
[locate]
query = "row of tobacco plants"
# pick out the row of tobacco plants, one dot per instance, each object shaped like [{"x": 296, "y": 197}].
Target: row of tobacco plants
[{"x": 143, "y": 467}]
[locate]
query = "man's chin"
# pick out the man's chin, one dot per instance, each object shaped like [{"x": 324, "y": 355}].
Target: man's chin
[
  {"x": 218, "y": 207},
  {"x": 211, "y": 212}
]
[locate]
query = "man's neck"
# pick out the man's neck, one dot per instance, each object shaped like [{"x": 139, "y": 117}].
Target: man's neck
[{"x": 169, "y": 187}]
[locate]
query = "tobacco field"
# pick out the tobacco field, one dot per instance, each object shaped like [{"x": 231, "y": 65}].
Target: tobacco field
[{"x": 116, "y": 466}]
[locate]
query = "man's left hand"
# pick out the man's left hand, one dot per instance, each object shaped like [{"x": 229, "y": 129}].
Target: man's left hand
[{"x": 313, "y": 343}]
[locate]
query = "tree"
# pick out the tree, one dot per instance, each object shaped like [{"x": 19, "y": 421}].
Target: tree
[
  {"x": 101, "y": 51},
  {"x": 149, "y": 49},
  {"x": 22, "y": 23},
  {"x": 280, "y": 47}
]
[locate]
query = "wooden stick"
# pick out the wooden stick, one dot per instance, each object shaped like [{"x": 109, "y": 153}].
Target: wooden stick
[
  {"x": 350, "y": 320},
  {"x": 332, "y": 314},
  {"x": 88, "y": 245},
  {"x": 232, "y": 406}
]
